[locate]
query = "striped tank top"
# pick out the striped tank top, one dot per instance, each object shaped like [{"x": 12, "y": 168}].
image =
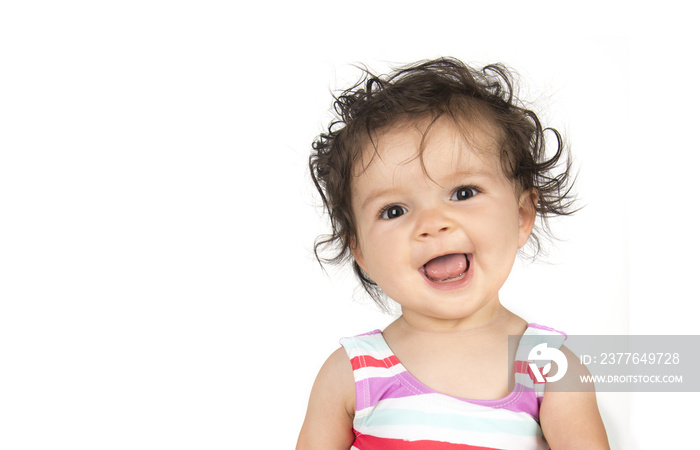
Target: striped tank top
[{"x": 396, "y": 411}]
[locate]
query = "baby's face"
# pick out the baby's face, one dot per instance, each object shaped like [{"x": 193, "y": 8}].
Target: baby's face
[{"x": 440, "y": 244}]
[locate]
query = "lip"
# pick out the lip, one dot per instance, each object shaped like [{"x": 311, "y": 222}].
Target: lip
[{"x": 456, "y": 283}]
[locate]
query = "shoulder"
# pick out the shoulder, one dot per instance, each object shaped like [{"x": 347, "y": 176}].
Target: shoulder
[
  {"x": 335, "y": 382},
  {"x": 569, "y": 413},
  {"x": 329, "y": 416},
  {"x": 338, "y": 371}
]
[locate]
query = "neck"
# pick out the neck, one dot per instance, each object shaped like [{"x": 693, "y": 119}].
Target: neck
[{"x": 484, "y": 320}]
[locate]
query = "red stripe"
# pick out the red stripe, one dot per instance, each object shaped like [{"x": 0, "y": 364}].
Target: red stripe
[
  {"x": 521, "y": 367},
  {"x": 365, "y": 442},
  {"x": 524, "y": 367},
  {"x": 367, "y": 361}
]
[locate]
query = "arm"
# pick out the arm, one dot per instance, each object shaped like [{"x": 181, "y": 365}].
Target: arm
[
  {"x": 328, "y": 423},
  {"x": 569, "y": 417}
]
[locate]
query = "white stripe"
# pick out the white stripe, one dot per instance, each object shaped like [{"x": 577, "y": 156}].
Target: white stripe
[
  {"x": 359, "y": 415},
  {"x": 524, "y": 379},
  {"x": 377, "y": 372},
  {"x": 355, "y": 347}
]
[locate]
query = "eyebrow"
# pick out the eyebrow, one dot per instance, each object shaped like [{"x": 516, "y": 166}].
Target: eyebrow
[
  {"x": 472, "y": 172},
  {"x": 377, "y": 194}
]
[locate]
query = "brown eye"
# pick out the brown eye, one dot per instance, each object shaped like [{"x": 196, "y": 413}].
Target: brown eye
[
  {"x": 464, "y": 193},
  {"x": 393, "y": 211}
]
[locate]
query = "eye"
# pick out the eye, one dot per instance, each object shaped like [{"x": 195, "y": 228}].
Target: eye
[
  {"x": 464, "y": 193},
  {"x": 392, "y": 212}
]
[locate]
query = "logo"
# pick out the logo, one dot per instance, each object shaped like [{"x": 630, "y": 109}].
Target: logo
[{"x": 543, "y": 353}]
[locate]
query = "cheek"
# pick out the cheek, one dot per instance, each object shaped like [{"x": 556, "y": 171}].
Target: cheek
[
  {"x": 499, "y": 228},
  {"x": 496, "y": 241},
  {"x": 380, "y": 251},
  {"x": 367, "y": 252},
  {"x": 383, "y": 254}
]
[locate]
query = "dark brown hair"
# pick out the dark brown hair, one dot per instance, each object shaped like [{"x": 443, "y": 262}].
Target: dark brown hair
[{"x": 433, "y": 89}]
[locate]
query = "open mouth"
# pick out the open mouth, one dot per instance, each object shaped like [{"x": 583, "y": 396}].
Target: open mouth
[{"x": 446, "y": 268}]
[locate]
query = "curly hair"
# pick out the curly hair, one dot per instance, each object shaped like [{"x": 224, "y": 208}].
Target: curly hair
[{"x": 433, "y": 89}]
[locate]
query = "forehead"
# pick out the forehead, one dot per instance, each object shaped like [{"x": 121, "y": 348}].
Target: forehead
[{"x": 435, "y": 146}]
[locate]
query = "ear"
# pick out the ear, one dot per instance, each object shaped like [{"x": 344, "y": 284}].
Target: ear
[
  {"x": 527, "y": 212},
  {"x": 357, "y": 253}
]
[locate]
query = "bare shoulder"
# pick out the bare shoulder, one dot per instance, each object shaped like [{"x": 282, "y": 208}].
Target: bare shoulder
[
  {"x": 328, "y": 422},
  {"x": 569, "y": 414}
]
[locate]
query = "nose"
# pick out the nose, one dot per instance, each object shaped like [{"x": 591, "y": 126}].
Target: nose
[{"x": 433, "y": 223}]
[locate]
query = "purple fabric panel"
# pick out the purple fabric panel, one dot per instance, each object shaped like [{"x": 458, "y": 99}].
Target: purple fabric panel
[
  {"x": 522, "y": 399},
  {"x": 371, "y": 391},
  {"x": 542, "y": 327},
  {"x": 380, "y": 388}
]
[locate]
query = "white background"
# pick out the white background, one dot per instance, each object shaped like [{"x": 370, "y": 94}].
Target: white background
[{"x": 157, "y": 284}]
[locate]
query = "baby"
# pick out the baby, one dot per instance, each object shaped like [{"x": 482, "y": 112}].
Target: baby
[{"x": 434, "y": 178}]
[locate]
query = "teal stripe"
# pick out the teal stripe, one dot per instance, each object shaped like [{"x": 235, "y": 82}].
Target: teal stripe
[{"x": 401, "y": 417}]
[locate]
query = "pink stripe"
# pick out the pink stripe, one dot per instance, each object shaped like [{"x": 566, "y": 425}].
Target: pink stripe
[
  {"x": 524, "y": 367},
  {"x": 361, "y": 361},
  {"x": 367, "y": 442}
]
